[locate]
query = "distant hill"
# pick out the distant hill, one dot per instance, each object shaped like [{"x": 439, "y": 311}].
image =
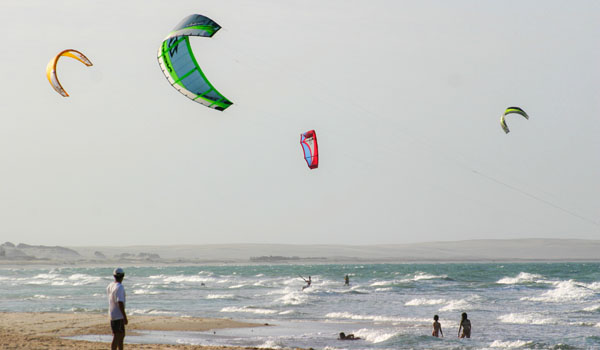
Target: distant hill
[{"x": 455, "y": 251}]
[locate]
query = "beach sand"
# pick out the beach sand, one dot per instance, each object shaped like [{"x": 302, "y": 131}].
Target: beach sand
[{"x": 40, "y": 330}]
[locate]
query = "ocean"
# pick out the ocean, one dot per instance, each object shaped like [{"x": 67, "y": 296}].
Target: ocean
[{"x": 389, "y": 306}]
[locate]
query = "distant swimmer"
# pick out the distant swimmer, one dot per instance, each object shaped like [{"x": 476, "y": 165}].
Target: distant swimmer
[
  {"x": 308, "y": 282},
  {"x": 465, "y": 324},
  {"x": 343, "y": 336},
  {"x": 347, "y": 280},
  {"x": 437, "y": 327}
]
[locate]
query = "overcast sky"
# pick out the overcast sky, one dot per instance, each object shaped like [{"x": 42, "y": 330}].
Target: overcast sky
[{"x": 405, "y": 97}]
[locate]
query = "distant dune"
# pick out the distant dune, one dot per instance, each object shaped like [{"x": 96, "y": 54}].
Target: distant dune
[{"x": 456, "y": 251}]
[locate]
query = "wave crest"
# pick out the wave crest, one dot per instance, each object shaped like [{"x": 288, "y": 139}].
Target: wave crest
[
  {"x": 510, "y": 344},
  {"x": 523, "y": 277},
  {"x": 532, "y": 318}
]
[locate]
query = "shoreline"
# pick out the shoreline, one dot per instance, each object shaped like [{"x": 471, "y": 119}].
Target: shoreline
[{"x": 47, "y": 330}]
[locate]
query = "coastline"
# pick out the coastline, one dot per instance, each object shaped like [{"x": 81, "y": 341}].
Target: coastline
[
  {"x": 44, "y": 330},
  {"x": 110, "y": 265},
  {"x": 471, "y": 251}
]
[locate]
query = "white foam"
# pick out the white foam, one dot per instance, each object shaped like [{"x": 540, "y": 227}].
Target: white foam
[
  {"x": 48, "y": 276},
  {"x": 375, "y": 335},
  {"x": 185, "y": 279},
  {"x": 293, "y": 298},
  {"x": 454, "y": 305},
  {"x": 220, "y": 296},
  {"x": 532, "y": 318},
  {"x": 418, "y": 276},
  {"x": 564, "y": 291},
  {"x": 53, "y": 279},
  {"x": 376, "y": 318},
  {"x": 237, "y": 286},
  {"x": 287, "y": 312},
  {"x": 424, "y": 276},
  {"x": 592, "y": 308},
  {"x": 293, "y": 281},
  {"x": 271, "y": 344},
  {"x": 81, "y": 279},
  {"x": 82, "y": 309},
  {"x": 594, "y": 286},
  {"x": 248, "y": 310},
  {"x": 582, "y": 324},
  {"x": 357, "y": 290},
  {"x": 42, "y": 278},
  {"x": 149, "y": 312},
  {"x": 424, "y": 301},
  {"x": 145, "y": 292},
  {"x": 509, "y": 344},
  {"x": 381, "y": 283},
  {"x": 523, "y": 277}
]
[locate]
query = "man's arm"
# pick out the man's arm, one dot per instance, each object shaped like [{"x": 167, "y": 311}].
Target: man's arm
[
  {"x": 459, "y": 327},
  {"x": 122, "y": 308}
]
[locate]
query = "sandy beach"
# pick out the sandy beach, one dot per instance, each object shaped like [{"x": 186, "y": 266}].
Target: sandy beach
[{"x": 42, "y": 330}]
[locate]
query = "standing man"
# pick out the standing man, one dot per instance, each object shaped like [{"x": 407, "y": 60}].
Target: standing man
[{"x": 116, "y": 309}]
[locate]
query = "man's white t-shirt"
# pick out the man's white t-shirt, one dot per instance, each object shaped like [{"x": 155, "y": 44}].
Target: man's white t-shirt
[{"x": 116, "y": 293}]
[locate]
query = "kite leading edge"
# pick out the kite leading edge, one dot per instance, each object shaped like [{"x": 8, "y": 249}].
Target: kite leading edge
[
  {"x": 51, "y": 68},
  {"x": 509, "y": 110}
]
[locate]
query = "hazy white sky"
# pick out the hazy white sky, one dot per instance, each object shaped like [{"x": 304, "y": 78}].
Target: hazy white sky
[{"x": 405, "y": 97}]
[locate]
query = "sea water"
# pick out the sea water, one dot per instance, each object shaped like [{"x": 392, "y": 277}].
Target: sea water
[{"x": 390, "y": 306}]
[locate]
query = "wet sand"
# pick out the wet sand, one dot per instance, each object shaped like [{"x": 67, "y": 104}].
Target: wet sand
[{"x": 40, "y": 330}]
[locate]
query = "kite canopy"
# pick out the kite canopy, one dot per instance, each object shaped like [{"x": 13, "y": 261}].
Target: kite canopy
[
  {"x": 51, "y": 68},
  {"x": 308, "y": 141},
  {"x": 511, "y": 110},
  {"x": 180, "y": 67}
]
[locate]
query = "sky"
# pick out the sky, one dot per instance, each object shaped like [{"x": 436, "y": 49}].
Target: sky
[{"x": 405, "y": 97}]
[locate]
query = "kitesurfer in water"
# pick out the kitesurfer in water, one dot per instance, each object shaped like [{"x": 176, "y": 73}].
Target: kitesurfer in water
[
  {"x": 308, "y": 282},
  {"x": 465, "y": 324},
  {"x": 343, "y": 336},
  {"x": 346, "y": 280}
]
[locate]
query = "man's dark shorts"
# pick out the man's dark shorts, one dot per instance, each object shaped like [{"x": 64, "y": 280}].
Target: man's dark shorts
[{"x": 118, "y": 326}]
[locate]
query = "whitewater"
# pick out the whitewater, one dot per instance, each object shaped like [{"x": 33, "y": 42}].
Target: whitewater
[{"x": 390, "y": 306}]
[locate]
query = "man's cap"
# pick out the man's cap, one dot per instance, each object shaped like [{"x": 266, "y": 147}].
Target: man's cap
[{"x": 118, "y": 271}]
